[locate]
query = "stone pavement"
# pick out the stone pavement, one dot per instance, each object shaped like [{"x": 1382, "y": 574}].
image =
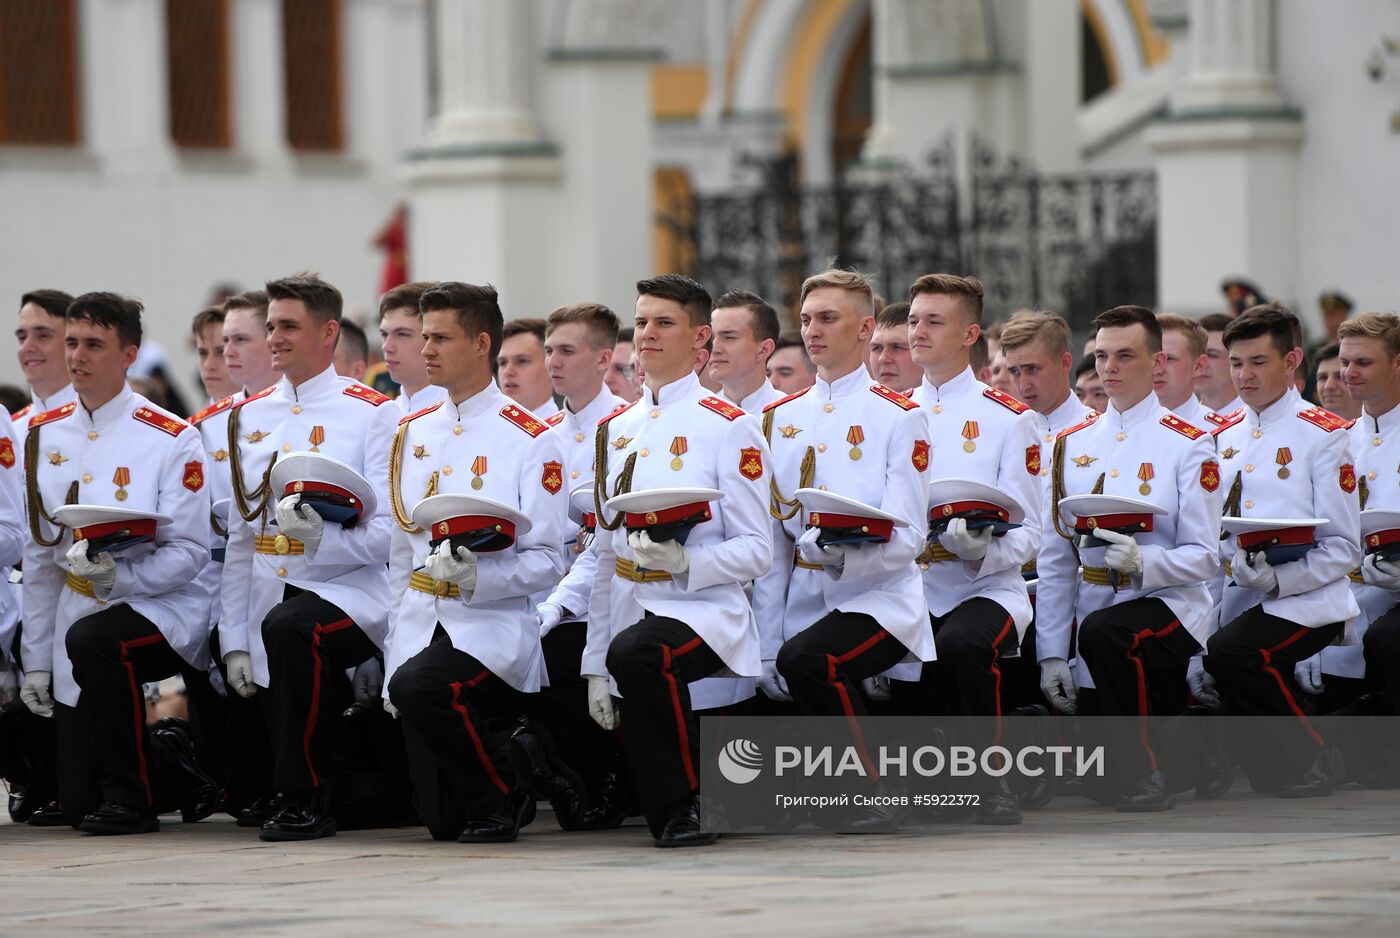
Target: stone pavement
[{"x": 1070, "y": 870}]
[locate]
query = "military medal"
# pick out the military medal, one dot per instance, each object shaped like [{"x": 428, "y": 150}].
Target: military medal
[
  {"x": 1283, "y": 458},
  {"x": 1145, "y": 473},
  {"x": 478, "y": 470},
  {"x": 789, "y": 431},
  {"x": 317, "y": 437},
  {"x": 121, "y": 478},
  {"x": 855, "y": 436},
  {"x": 969, "y": 432},
  {"x": 678, "y": 449},
  {"x": 420, "y": 450}
]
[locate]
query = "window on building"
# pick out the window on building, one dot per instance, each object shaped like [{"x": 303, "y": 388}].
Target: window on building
[
  {"x": 197, "y": 50},
  {"x": 311, "y": 57},
  {"x": 38, "y": 72}
]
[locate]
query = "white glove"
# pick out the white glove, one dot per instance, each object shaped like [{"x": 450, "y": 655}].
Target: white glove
[
  {"x": 303, "y": 524},
  {"x": 368, "y": 682},
  {"x": 239, "y": 665},
  {"x": 390, "y": 709},
  {"x": 968, "y": 545},
  {"x": 1382, "y": 573},
  {"x": 102, "y": 571},
  {"x": 1057, "y": 684},
  {"x": 1309, "y": 674},
  {"x": 772, "y": 684},
  {"x": 36, "y": 694},
  {"x": 600, "y": 703},
  {"x": 876, "y": 687},
  {"x": 459, "y": 569},
  {"x": 1123, "y": 554},
  {"x": 1256, "y": 576},
  {"x": 833, "y": 557},
  {"x": 667, "y": 556},
  {"x": 548, "y": 616},
  {"x": 9, "y": 683},
  {"x": 1202, "y": 683}
]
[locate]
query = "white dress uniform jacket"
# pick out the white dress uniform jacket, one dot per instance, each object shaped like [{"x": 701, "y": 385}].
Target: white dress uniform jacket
[
  {"x": 1302, "y": 443},
  {"x": 409, "y": 404},
  {"x": 1000, "y": 431},
  {"x": 1149, "y": 454},
  {"x": 887, "y": 469},
  {"x": 212, "y": 423},
  {"x": 126, "y": 454},
  {"x": 349, "y": 566},
  {"x": 443, "y": 450},
  {"x": 711, "y": 444},
  {"x": 756, "y": 402}
]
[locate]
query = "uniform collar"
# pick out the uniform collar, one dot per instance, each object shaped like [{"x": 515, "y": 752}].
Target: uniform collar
[
  {"x": 427, "y": 396},
  {"x": 488, "y": 398},
  {"x": 1386, "y": 423},
  {"x": 1230, "y": 408},
  {"x": 1281, "y": 409},
  {"x": 57, "y": 399},
  {"x": 1143, "y": 410},
  {"x": 847, "y": 384},
  {"x": 964, "y": 383},
  {"x": 763, "y": 394},
  {"x": 1070, "y": 412},
  {"x": 114, "y": 410},
  {"x": 548, "y": 409},
  {"x": 678, "y": 390},
  {"x": 595, "y": 410},
  {"x": 323, "y": 383}
]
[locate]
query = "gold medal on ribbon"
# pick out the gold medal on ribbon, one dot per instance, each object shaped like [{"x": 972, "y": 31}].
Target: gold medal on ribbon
[
  {"x": 478, "y": 470},
  {"x": 855, "y": 436},
  {"x": 317, "y": 437},
  {"x": 1145, "y": 473},
  {"x": 121, "y": 479},
  {"x": 970, "y": 433},
  {"x": 678, "y": 449},
  {"x": 1283, "y": 458}
]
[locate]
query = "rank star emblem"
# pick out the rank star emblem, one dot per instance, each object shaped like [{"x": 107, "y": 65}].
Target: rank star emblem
[
  {"x": 257, "y": 436},
  {"x": 57, "y": 459},
  {"x": 621, "y": 442},
  {"x": 219, "y": 455},
  {"x": 789, "y": 431},
  {"x": 1230, "y": 453},
  {"x": 1083, "y": 461},
  {"x": 419, "y": 450}
]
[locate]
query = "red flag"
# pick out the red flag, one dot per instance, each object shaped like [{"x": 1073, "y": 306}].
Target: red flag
[{"x": 393, "y": 241}]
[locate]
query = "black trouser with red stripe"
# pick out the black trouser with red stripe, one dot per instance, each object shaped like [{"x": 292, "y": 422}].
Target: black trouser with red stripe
[
  {"x": 653, "y": 663},
  {"x": 456, "y": 718},
  {"x": 1252, "y": 661},
  {"x": 113, "y": 653},
  {"x": 309, "y": 643},
  {"x": 562, "y": 707},
  {"x": 825, "y": 663},
  {"x": 1137, "y": 652}
]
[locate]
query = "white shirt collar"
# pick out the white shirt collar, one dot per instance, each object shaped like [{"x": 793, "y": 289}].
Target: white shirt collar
[
  {"x": 1146, "y": 409},
  {"x": 1285, "y": 406},
  {"x": 856, "y": 380},
  {"x": 678, "y": 390},
  {"x": 325, "y": 382},
  {"x": 963, "y": 383},
  {"x": 57, "y": 399}
]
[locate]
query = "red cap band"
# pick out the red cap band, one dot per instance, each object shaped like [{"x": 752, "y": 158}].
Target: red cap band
[
  {"x": 647, "y": 519},
  {"x": 827, "y": 519},
  {"x": 1278, "y": 536}
]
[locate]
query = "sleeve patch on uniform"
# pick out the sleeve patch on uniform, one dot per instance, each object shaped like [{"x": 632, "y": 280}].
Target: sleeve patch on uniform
[
  {"x": 1005, "y": 400},
  {"x": 418, "y": 413},
  {"x": 751, "y": 463},
  {"x": 1173, "y": 422},
  {"x": 366, "y": 394},
  {"x": 194, "y": 475},
  {"x": 920, "y": 455},
  {"x": 159, "y": 421},
  {"x": 1033, "y": 459},
  {"x": 524, "y": 420},
  {"x": 894, "y": 396},
  {"x": 722, "y": 407},
  {"x": 1210, "y": 475},
  {"x": 552, "y": 478},
  {"x": 1347, "y": 478},
  {"x": 1323, "y": 418},
  {"x": 7, "y": 453}
]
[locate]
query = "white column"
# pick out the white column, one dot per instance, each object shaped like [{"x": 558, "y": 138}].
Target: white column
[
  {"x": 1052, "y": 88},
  {"x": 125, "y": 96},
  {"x": 1227, "y": 163},
  {"x": 258, "y": 79}
]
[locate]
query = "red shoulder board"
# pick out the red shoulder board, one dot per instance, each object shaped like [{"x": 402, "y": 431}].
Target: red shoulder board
[
  {"x": 22, "y": 412},
  {"x": 1352, "y": 422},
  {"x": 791, "y": 397},
  {"x": 369, "y": 395},
  {"x": 1173, "y": 422},
  {"x": 1220, "y": 419},
  {"x": 160, "y": 421},
  {"x": 258, "y": 396},
  {"x": 524, "y": 420},
  {"x": 418, "y": 413},
  {"x": 616, "y": 410},
  {"x": 1088, "y": 421},
  {"x": 217, "y": 407},
  {"x": 1230, "y": 421},
  {"x": 555, "y": 419},
  {"x": 1323, "y": 418},
  {"x": 722, "y": 407},
  {"x": 894, "y": 397},
  {"x": 1005, "y": 400},
  {"x": 49, "y": 416}
]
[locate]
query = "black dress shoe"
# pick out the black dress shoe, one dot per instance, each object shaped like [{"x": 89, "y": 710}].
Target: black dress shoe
[
  {"x": 610, "y": 802},
  {"x": 873, "y": 819},
  {"x": 303, "y": 816},
  {"x": 551, "y": 778},
  {"x": 1152, "y": 793},
  {"x": 1322, "y": 776},
  {"x": 201, "y": 794},
  {"x": 50, "y": 815},
  {"x": 23, "y": 804},
  {"x": 257, "y": 813},
  {"x": 114, "y": 818},
  {"x": 999, "y": 806},
  {"x": 503, "y": 826},
  {"x": 687, "y": 827}
]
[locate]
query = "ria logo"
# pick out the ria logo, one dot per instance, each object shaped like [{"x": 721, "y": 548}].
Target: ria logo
[{"x": 740, "y": 761}]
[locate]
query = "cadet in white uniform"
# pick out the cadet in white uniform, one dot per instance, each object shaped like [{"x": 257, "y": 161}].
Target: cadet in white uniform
[
  {"x": 1142, "y": 603},
  {"x": 1184, "y": 344},
  {"x": 663, "y": 614},
  {"x": 465, "y": 643},
  {"x": 1282, "y": 458},
  {"x": 303, "y": 600},
  {"x": 102, "y": 622},
  {"x": 401, "y": 338},
  {"x": 746, "y": 332}
]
